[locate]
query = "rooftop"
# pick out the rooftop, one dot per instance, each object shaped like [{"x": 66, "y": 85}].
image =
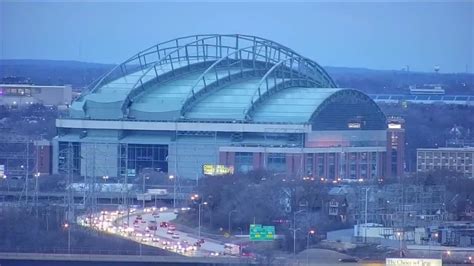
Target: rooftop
[{"x": 221, "y": 78}]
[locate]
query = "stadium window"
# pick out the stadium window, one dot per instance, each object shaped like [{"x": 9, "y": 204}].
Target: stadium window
[
  {"x": 276, "y": 162},
  {"x": 243, "y": 161}
]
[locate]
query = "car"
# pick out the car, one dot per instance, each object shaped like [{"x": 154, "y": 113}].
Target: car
[
  {"x": 165, "y": 243},
  {"x": 139, "y": 217},
  {"x": 175, "y": 236},
  {"x": 170, "y": 232},
  {"x": 176, "y": 211},
  {"x": 248, "y": 255},
  {"x": 164, "y": 224},
  {"x": 191, "y": 248},
  {"x": 201, "y": 241},
  {"x": 155, "y": 239},
  {"x": 171, "y": 227},
  {"x": 214, "y": 254}
]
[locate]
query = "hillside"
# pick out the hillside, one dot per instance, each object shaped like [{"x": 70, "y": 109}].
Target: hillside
[
  {"x": 80, "y": 74},
  {"x": 53, "y": 72}
]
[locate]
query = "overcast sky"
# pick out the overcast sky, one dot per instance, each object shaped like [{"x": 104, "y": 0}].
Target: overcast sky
[{"x": 376, "y": 35}]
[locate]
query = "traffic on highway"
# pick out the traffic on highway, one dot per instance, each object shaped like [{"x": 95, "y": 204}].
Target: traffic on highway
[{"x": 153, "y": 227}]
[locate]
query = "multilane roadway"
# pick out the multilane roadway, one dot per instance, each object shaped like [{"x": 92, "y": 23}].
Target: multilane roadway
[{"x": 134, "y": 229}]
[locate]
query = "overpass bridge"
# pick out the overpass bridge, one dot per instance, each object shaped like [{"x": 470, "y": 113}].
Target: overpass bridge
[
  {"x": 104, "y": 197},
  {"x": 48, "y": 259}
]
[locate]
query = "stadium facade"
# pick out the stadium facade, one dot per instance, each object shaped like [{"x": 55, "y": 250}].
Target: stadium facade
[{"x": 234, "y": 100}]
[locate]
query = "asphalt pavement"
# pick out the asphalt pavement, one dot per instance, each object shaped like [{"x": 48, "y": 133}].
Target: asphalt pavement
[{"x": 132, "y": 228}]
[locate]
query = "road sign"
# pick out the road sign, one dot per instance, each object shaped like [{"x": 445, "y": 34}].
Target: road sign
[{"x": 261, "y": 233}]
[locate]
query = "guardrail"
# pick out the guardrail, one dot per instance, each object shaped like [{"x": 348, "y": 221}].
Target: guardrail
[
  {"x": 123, "y": 258},
  {"x": 100, "y": 195}
]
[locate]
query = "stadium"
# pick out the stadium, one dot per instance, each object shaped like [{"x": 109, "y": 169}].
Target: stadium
[{"x": 216, "y": 104}]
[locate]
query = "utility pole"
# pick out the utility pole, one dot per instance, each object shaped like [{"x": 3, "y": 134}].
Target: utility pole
[
  {"x": 26, "y": 170},
  {"x": 70, "y": 165}
]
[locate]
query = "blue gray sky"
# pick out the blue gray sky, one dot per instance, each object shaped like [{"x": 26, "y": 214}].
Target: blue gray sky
[{"x": 375, "y": 34}]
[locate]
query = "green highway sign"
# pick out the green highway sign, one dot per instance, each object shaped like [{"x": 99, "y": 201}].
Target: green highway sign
[{"x": 261, "y": 233}]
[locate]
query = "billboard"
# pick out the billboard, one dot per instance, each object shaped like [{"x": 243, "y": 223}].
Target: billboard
[
  {"x": 217, "y": 170},
  {"x": 412, "y": 262}
]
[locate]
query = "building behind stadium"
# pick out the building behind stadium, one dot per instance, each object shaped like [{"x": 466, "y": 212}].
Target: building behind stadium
[{"x": 224, "y": 103}]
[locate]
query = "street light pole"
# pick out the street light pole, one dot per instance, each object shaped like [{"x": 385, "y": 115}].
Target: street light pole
[
  {"x": 230, "y": 214},
  {"x": 172, "y": 177},
  {"x": 400, "y": 238},
  {"x": 199, "y": 227},
  {"x": 366, "y": 203},
  {"x": 69, "y": 240},
  {"x": 199, "y": 221},
  {"x": 310, "y": 232},
  {"x": 143, "y": 191},
  {"x": 366, "y": 207},
  {"x": 37, "y": 175},
  {"x": 429, "y": 243},
  {"x": 67, "y": 226},
  {"x": 294, "y": 231},
  {"x": 193, "y": 198}
]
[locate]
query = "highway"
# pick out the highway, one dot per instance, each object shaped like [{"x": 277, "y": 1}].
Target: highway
[{"x": 135, "y": 229}]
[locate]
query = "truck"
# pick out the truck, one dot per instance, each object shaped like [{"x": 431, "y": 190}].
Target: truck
[
  {"x": 231, "y": 249},
  {"x": 152, "y": 225}
]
